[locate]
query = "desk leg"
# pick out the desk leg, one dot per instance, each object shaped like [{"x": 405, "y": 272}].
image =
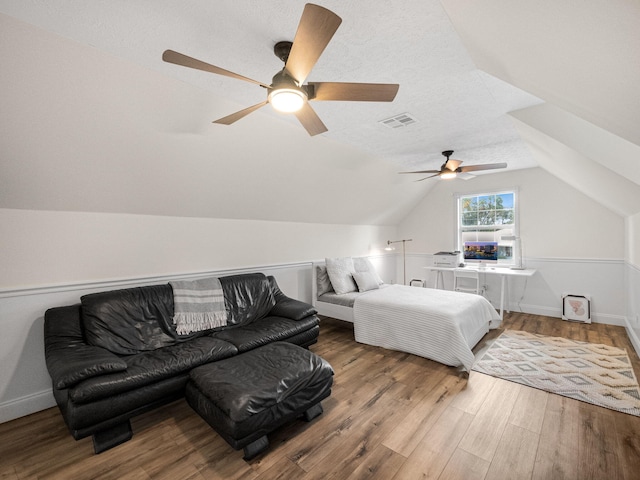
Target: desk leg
[
  {"x": 502, "y": 297},
  {"x": 438, "y": 277}
]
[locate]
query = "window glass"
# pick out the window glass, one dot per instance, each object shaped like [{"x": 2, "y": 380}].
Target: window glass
[{"x": 488, "y": 217}]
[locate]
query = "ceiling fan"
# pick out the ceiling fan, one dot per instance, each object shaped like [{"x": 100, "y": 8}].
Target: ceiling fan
[
  {"x": 287, "y": 92},
  {"x": 452, "y": 168}
]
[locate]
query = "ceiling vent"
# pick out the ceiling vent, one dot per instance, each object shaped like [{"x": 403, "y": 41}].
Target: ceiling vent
[{"x": 402, "y": 120}]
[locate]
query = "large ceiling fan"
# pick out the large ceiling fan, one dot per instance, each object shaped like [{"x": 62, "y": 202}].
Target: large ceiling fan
[
  {"x": 287, "y": 92},
  {"x": 451, "y": 168}
]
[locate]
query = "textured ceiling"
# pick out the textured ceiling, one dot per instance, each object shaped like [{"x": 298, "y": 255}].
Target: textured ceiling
[
  {"x": 93, "y": 120},
  {"x": 411, "y": 43}
]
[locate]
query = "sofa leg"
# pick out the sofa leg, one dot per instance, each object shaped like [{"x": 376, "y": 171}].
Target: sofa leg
[
  {"x": 112, "y": 437},
  {"x": 313, "y": 412},
  {"x": 256, "y": 447}
]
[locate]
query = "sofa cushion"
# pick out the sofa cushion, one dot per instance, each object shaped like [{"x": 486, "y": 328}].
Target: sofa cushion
[
  {"x": 288, "y": 307},
  {"x": 267, "y": 330},
  {"x": 68, "y": 368},
  {"x": 69, "y": 359},
  {"x": 248, "y": 297},
  {"x": 153, "y": 366},
  {"x": 131, "y": 320}
]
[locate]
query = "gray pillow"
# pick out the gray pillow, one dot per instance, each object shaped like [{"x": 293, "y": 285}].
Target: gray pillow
[
  {"x": 363, "y": 264},
  {"x": 365, "y": 281},
  {"x": 323, "y": 283},
  {"x": 341, "y": 272}
]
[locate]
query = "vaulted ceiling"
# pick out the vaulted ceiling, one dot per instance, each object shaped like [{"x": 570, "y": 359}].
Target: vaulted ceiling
[{"x": 93, "y": 120}]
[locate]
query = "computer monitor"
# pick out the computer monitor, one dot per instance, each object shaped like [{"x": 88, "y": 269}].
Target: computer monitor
[{"x": 481, "y": 252}]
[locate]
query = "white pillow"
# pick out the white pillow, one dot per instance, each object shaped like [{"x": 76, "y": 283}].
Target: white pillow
[
  {"x": 363, "y": 264},
  {"x": 323, "y": 283},
  {"x": 365, "y": 281},
  {"x": 341, "y": 272}
]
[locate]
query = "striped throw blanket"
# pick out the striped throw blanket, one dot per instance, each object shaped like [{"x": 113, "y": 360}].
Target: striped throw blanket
[{"x": 198, "y": 305}]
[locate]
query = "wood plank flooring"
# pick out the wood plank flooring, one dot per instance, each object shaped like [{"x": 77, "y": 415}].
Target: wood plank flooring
[{"x": 391, "y": 416}]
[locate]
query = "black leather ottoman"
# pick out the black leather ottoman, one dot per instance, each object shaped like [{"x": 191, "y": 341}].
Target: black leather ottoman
[{"x": 245, "y": 397}]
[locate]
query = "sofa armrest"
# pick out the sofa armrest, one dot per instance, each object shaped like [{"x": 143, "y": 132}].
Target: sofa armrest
[
  {"x": 288, "y": 307},
  {"x": 69, "y": 366},
  {"x": 68, "y": 357}
]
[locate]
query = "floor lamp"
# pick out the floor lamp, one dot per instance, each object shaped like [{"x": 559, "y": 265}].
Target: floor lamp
[{"x": 404, "y": 258}]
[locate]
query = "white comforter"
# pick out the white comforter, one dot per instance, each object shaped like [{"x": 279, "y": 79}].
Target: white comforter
[{"x": 437, "y": 324}]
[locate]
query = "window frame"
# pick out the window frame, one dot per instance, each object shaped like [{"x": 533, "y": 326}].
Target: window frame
[{"x": 459, "y": 229}]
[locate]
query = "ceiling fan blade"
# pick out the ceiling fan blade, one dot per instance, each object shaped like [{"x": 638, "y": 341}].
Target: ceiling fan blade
[
  {"x": 310, "y": 120},
  {"x": 234, "y": 117},
  {"x": 355, "y": 92},
  {"x": 487, "y": 166},
  {"x": 452, "y": 165},
  {"x": 315, "y": 30},
  {"x": 424, "y": 171},
  {"x": 176, "y": 58},
  {"x": 425, "y": 178}
]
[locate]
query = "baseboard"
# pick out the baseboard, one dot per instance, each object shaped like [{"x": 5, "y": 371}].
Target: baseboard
[
  {"x": 19, "y": 407},
  {"x": 605, "y": 318},
  {"x": 616, "y": 320},
  {"x": 536, "y": 310},
  {"x": 633, "y": 336}
]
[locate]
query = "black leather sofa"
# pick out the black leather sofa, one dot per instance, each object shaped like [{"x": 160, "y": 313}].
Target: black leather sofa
[{"x": 117, "y": 354}]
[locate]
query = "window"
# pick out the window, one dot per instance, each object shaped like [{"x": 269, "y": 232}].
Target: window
[{"x": 489, "y": 217}]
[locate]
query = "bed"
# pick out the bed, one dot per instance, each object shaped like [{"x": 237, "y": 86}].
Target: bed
[{"x": 437, "y": 324}]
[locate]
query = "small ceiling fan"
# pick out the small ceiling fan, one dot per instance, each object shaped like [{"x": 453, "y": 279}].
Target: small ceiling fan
[
  {"x": 452, "y": 168},
  {"x": 287, "y": 92}
]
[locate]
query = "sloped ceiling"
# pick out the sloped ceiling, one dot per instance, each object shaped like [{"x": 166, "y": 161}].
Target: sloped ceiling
[
  {"x": 581, "y": 58},
  {"x": 93, "y": 120}
]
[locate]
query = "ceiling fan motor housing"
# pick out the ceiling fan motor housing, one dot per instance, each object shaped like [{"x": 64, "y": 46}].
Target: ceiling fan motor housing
[
  {"x": 282, "y": 49},
  {"x": 283, "y": 80}
]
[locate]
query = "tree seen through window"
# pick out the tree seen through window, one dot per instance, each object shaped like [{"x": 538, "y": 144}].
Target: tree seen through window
[{"x": 487, "y": 210}]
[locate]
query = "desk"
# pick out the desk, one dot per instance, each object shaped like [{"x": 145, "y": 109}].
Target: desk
[{"x": 504, "y": 272}]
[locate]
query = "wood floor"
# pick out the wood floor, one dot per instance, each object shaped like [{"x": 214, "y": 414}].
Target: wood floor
[{"x": 391, "y": 416}]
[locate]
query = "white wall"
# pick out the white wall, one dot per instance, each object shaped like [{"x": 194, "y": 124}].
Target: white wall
[
  {"x": 555, "y": 219},
  {"x": 576, "y": 244},
  {"x": 52, "y": 248},
  {"x": 52, "y": 258},
  {"x": 632, "y": 252},
  {"x": 632, "y": 279}
]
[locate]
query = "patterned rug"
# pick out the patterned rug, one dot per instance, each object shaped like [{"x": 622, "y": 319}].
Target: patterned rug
[{"x": 593, "y": 373}]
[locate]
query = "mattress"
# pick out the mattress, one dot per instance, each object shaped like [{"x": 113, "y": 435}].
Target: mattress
[
  {"x": 437, "y": 324},
  {"x": 345, "y": 299}
]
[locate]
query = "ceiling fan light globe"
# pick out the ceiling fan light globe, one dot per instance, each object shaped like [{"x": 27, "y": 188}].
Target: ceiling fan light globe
[
  {"x": 287, "y": 100},
  {"x": 448, "y": 175}
]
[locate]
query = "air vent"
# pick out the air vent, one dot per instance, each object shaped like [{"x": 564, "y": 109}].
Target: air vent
[{"x": 402, "y": 120}]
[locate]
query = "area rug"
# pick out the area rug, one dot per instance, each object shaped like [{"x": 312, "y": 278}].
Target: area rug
[{"x": 593, "y": 373}]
